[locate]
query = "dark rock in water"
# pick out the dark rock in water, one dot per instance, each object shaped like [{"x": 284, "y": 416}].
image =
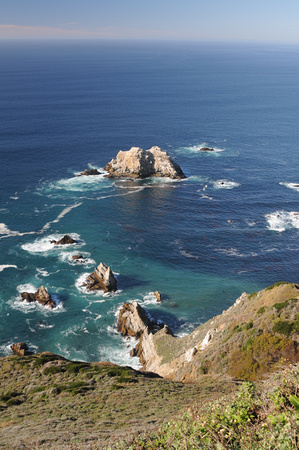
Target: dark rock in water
[
  {"x": 158, "y": 296},
  {"x": 206, "y": 149},
  {"x": 139, "y": 163},
  {"x": 20, "y": 349},
  {"x": 41, "y": 296},
  {"x": 101, "y": 279},
  {"x": 87, "y": 172},
  {"x": 79, "y": 258},
  {"x": 65, "y": 240}
]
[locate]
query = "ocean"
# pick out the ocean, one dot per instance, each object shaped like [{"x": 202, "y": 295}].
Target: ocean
[{"x": 231, "y": 226}]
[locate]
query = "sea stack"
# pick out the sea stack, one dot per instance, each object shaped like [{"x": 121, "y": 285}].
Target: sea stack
[
  {"x": 101, "y": 279},
  {"x": 139, "y": 163},
  {"x": 41, "y": 296}
]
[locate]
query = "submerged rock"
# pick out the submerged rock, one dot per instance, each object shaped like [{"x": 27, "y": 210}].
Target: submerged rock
[
  {"x": 20, "y": 349},
  {"x": 79, "y": 258},
  {"x": 206, "y": 149},
  {"x": 139, "y": 163},
  {"x": 41, "y": 296},
  {"x": 101, "y": 279},
  {"x": 88, "y": 172},
  {"x": 65, "y": 240}
]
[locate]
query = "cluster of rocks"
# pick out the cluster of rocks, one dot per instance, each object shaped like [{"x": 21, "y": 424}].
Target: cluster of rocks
[
  {"x": 139, "y": 163},
  {"x": 41, "y": 296}
]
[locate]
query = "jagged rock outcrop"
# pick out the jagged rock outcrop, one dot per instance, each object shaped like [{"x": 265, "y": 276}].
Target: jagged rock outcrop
[
  {"x": 20, "y": 349},
  {"x": 139, "y": 163},
  {"x": 101, "y": 279},
  {"x": 41, "y": 296},
  {"x": 88, "y": 172},
  {"x": 251, "y": 338},
  {"x": 134, "y": 321},
  {"x": 65, "y": 240},
  {"x": 158, "y": 296}
]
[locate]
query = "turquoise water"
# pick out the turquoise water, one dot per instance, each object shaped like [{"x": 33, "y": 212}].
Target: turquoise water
[{"x": 231, "y": 226}]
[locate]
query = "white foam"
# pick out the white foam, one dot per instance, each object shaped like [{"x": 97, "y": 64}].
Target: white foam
[
  {"x": 86, "y": 261},
  {"x": 235, "y": 252},
  {"x": 282, "y": 220},
  {"x": 44, "y": 245},
  {"x": 80, "y": 183},
  {"x": 6, "y": 232},
  {"x": 42, "y": 273},
  {"x": 294, "y": 186},
  {"x": 60, "y": 216},
  {"x": 6, "y": 266},
  {"x": 225, "y": 184},
  {"x": 196, "y": 149}
]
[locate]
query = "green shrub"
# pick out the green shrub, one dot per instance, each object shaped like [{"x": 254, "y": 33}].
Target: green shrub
[
  {"x": 261, "y": 310},
  {"x": 283, "y": 327},
  {"x": 279, "y": 283},
  {"x": 280, "y": 306},
  {"x": 52, "y": 370},
  {"x": 248, "y": 325},
  {"x": 261, "y": 355},
  {"x": 75, "y": 367}
]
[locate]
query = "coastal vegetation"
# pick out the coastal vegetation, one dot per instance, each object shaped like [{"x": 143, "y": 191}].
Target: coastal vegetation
[{"x": 231, "y": 384}]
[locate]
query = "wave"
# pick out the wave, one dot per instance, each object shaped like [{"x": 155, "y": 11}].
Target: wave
[
  {"x": 77, "y": 184},
  {"x": 6, "y": 232},
  {"x": 44, "y": 245},
  {"x": 282, "y": 220},
  {"x": 235, "y": 252},
  {"x": 294, "y": 186},
  {"x": 86, "y": 261},
  {"x": 6, "y": 266},
  {"x": 196, "y": 149},
  {"x": 225, "y": 184}
]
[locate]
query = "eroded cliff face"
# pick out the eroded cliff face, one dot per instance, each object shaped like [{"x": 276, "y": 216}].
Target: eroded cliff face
[
  {"x": 253, "y": 337},
  {"x": 139, "y": 163}
]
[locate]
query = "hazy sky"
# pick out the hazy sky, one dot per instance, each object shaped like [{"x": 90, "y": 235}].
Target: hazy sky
[{"x": 237, "y": 20}]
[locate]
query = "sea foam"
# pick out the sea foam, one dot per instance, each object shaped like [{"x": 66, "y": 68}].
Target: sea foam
[
  {"x": 294, "y": 186},
  {"x": 282, "y": 220}
]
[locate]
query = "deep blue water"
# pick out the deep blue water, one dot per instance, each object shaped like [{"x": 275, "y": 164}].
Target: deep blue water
[{"x": 231, "y": 226}]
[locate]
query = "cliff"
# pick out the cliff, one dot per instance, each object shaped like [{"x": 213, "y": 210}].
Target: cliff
[{"x": 253, "y": 337}]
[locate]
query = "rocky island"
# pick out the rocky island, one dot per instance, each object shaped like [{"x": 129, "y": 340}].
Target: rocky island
[
  {"x": 41, "y": 296},
  {"x": 139, "y": 163},
  {"x": 101, "y": 279}
]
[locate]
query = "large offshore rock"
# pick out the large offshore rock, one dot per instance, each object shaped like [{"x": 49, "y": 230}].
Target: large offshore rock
[
  {"x": 41, "y": 296},
  {"x": 101, "y": 279},
  {"x": 139, "y": 163},
  {"x": 65, "y": 240}
]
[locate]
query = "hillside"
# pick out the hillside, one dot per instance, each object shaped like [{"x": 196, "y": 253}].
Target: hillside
[
  {"x": 49, "y": 402},
  {"x": 257, "y": 334}
]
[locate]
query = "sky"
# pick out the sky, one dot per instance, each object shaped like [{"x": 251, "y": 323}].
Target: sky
[{"x": 204, "y": 20}]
